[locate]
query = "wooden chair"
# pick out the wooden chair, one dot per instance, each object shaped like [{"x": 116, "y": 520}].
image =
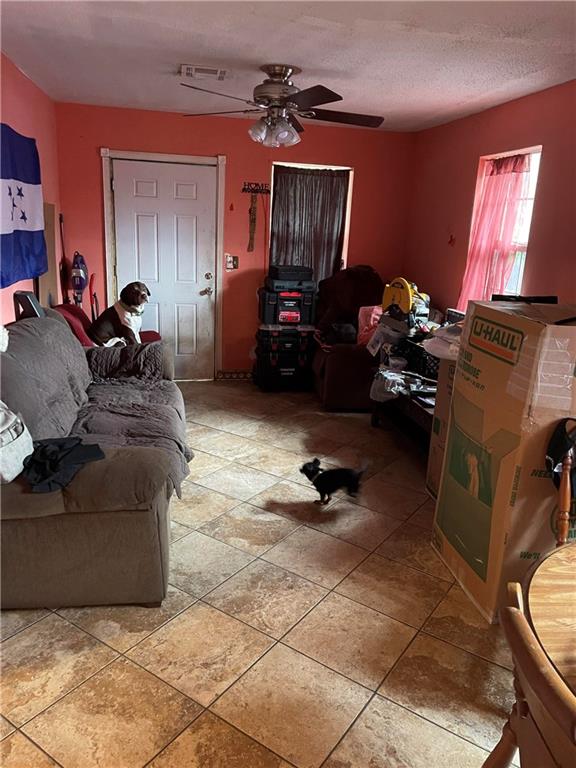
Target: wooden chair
[{"x": 542, "y": 723}]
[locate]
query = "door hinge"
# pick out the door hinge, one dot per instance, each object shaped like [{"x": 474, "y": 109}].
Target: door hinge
[{"x": 112, "y": 183}]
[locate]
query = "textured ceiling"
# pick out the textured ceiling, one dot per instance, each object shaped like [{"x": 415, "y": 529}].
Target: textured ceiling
[{"x": 418, "y": 64}]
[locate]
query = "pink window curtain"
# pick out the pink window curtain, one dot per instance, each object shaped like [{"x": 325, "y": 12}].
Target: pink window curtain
[{"x": 491, "y": 251}]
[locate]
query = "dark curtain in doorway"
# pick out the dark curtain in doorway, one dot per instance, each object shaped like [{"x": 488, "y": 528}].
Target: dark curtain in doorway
[{"x": 308, "y": 218}]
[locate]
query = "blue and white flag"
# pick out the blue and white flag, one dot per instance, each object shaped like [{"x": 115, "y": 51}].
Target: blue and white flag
[{"x": 23, "y": 248}]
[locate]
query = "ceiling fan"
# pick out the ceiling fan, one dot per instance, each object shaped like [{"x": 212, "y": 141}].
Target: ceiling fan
[{"x": 283, "y": 103}]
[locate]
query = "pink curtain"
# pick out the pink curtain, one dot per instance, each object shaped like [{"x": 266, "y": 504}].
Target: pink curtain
[{"x": 491, "y": 251}]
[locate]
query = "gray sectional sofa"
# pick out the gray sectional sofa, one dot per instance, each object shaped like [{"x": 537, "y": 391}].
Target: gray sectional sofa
[{"x": 104, "y": 538}]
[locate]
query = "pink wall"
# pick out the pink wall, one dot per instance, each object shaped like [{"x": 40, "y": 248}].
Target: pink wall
[
  {"x": 29, "y": 111},
  {"x": 382, "y": 174},
  {"x": 443, "y": 193}
]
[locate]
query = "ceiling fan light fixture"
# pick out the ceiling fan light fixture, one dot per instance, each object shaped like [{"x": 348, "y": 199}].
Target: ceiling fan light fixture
[
  {"x": 274, "y": 132},
  {"x": 258, "y": 131},
  {"x": 285, "y": 133}
]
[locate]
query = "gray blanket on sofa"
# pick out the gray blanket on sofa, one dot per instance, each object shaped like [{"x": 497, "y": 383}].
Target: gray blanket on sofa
[{"x": 131, "y": 424}]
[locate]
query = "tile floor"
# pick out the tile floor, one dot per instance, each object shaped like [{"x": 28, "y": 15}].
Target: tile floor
[{"x": 292, "y": 634}]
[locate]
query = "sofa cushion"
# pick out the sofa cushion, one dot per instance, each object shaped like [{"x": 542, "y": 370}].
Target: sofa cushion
[
  {"x": 117, "y": 392},
  {"x": 44, "y": 376},
  {"x": 126, "y": 479},
  {"x": 130, "y": 424}
]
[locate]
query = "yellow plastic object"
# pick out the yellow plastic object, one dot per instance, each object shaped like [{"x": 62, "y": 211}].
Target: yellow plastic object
[{"x": 400, "y": 292}]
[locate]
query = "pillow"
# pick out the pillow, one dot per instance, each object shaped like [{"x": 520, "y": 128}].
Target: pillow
[
  {"x": 368, "y": 319},
  {"x": 78, "y": 322}
]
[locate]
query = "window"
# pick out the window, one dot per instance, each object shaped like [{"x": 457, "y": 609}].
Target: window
[
  {"x": 500, "y": 228},
  {"x": 522, "y": 226},
  {"x": 310, "y": 216}
]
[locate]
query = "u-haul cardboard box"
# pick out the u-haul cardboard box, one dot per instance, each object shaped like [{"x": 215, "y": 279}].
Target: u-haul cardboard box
[
  {"x": 446, "y": 371},
  {"x": 496, "y": 508}
]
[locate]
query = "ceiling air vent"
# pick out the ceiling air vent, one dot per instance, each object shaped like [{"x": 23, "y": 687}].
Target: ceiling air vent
[{"x": 195, "y": 72}]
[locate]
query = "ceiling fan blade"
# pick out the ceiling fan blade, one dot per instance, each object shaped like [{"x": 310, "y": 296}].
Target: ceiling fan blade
[
  {"x": 215, "y": 93},
  {"x": 229, "y": 112},
  {"x": 317, "y": 94},
  {"x": 350, "y": 118},
  {"x": 293, "y": 120}
]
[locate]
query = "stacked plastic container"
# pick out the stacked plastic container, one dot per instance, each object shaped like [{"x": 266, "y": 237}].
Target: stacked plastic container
[{"x": 285, "y": 337}]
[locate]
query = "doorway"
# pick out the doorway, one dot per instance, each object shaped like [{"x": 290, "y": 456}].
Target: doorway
[{"x": 164, "y": 228}]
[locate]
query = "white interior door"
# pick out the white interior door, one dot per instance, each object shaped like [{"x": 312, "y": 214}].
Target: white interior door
[{"x": 165, "y": 223}]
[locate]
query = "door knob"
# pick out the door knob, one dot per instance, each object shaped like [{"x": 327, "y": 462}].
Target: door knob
[
  {"x": 206, "y": 291},
  {"x": 208, "y": 275}
]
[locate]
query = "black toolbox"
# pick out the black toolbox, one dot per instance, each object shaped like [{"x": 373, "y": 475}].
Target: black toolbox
[
  {"x": 290, "y": 272},
  {"x": 282, "y": 370},
  {"x": 306, "y": 286},
  {"x": 279, "y": 338},
  {"x": 286, "y": 307}
]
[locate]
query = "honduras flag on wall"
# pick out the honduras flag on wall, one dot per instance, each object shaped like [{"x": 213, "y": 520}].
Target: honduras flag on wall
[{"x": 23, "y": 248}]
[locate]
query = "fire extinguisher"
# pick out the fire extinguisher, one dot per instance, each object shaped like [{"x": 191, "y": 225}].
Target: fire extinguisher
[{"x": 78, "y": 277}]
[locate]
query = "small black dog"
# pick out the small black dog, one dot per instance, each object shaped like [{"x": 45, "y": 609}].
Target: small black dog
[
  {"x": 328, "y": 481},
  {"x": 121, "y": 323}
]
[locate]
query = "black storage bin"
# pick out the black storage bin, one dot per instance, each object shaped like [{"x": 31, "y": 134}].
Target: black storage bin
[
  {"x": 419, "y": 361},
  {"x": 286, "y": 307},
  {"x": 279, "y": 338},
  {"x": 306, "y": 286},
  {"x": 282, "y": 370},
  {"x": 289, "y": 272}
]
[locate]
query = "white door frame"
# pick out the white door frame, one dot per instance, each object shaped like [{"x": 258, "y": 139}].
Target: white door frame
[{"x": 219, "y": 161}]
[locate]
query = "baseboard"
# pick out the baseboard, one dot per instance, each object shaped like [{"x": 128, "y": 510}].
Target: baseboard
[{"x": 234, "y": 376}]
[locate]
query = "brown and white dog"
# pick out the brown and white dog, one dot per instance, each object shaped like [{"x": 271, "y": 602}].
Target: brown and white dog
[{"x": 121, "y": 323}]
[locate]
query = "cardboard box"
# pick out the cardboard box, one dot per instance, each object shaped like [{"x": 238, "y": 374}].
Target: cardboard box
[
  {"x": 496, "y": 508},
  {"x": 446, "y": 371}
]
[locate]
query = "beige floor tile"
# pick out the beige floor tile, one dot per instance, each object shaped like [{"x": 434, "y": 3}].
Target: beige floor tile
[
  {"x": 177, "y": 531},
  {"x": 258, "y": 430},
  {"x": 424, "y": 515},
  {"x": 315, "y": 556},
  {"x": 292, "y": 500},
  {"x": 305, "y": 444},
  {"x": 6, "y": 728},
  {"x": 199, "y": 505},
  {"x": 359, "y": 458},
  {"x": 341, "y": 430},
  {"x": 201, "y": 652},
  {"x": 211, "y": 743},
  {"x": 19, "y": 752},
  {"x": 353, "y": 523},
  {"x": 218, "y": 418},
  {"x": 409, "y": 471},
  {"x": 381, "y": 495},
  {"x": 394, "y": 589},
  {"x": 458, "y": 621},
  {"x": 456, "y": 690},
  {"x": 13, "y": 621},
  {"x": 120, "y": 718},
  {"x": 411, "y": 545},
  {"x": 43, "y": 662},
  {"x": 198, "y": 563},
  {"x": 293, "y": 705},
  {"x": 238, "y": 481},
  {"x": 266, "y": 458},
  {"x": 224, "y": 445},
  {"x": 194, "y": 432},
  {"x": 204, "y": 464},
  {"x": 249, "y": 528},
  {"x": 351, "y": 639},
  {"x": 122, "y": 626},
  {"x": 266, "y": 597},
  {"x": 388, "y": 736}
]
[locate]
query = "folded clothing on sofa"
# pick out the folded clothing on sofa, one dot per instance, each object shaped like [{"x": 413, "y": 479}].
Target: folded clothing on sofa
[{"x": 54, "y": 462}]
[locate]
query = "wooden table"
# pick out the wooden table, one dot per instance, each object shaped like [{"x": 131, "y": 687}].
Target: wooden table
[{"x": 552, "y": 609}]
